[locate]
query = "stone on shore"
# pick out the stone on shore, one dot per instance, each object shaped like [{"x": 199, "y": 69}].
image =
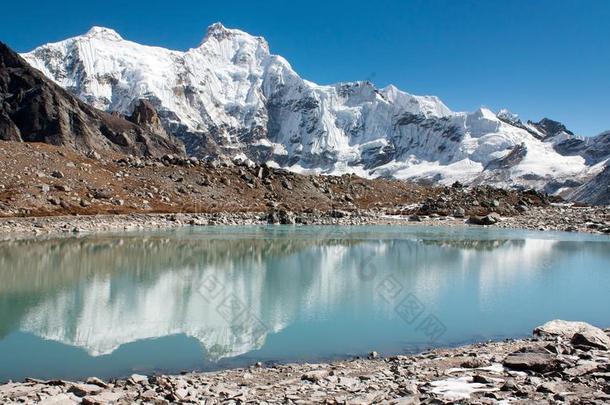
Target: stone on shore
[
  {"x": 580, "y": 333},
  {"x": 531, "y": 361}
]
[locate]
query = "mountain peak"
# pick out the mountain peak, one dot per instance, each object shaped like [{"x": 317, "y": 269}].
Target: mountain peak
[
  {"x": 551, "y": 127},
  {"x": 508, "y": 116},
  {"x": 219, "y": 32},
  {"x": 103, "y": 33},
  {"x": 217, "y": 28},
  {"x": 485, "y": 113}
]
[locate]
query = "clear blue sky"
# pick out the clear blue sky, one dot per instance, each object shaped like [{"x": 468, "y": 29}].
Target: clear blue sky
[{"x": 535, "y": 57}]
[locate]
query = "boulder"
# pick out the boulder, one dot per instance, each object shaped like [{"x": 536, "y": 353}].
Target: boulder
[
  {"x": 558, "y": 327},
  {"x": 338, "y": 214},
  {"x": 81, "y": 390},
  {"x": 281, "y": 216},
  {"x": 582, "y": 367},
  {"x": 459, "y": 212},
  {"x": 315, "y": 375},
  {"x": 138, "y": 379},
  {"x": 96, "y": 381},
  {"x": 595, "y": 338},
  {"x": 531, "y": 361},
  {"x": 486, "y": 220},
  {"x": 579, "y": 333},
  {"x": 552, "y": 387},
  {"x": 287, "y": 184},
  {"x": 287, "y": 217}
]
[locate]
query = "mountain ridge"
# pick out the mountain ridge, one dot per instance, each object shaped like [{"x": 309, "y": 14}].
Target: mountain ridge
[{"x": 230, "y": 97}]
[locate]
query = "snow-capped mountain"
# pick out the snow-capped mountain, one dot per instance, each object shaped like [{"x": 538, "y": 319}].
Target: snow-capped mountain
[{"x": 231, "y": 97}]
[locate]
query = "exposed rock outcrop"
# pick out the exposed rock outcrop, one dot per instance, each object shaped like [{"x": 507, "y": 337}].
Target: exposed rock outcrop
[{"x": 34, "y": 109}]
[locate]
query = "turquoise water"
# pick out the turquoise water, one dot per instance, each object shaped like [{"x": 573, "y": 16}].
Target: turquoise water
[{"x": 209, "y": 298}]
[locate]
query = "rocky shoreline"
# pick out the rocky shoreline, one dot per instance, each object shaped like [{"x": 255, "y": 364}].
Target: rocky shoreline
[
  {"x": 564, "y": 362},
  {"x": 46, "y": 189},
  {"x": 552, "y": 218}
]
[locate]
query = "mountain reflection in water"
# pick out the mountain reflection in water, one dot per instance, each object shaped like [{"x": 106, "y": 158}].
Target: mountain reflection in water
[{"x": 231, "y": 288}]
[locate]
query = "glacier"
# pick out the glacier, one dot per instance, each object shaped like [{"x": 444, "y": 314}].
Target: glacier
[{"x": 231, "y": 97}]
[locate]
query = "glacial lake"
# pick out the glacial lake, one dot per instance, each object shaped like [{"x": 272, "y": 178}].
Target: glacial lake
[{"x": 209, "y": 298}]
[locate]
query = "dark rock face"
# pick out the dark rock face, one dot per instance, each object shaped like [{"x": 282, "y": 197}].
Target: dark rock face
[
  {"x": 34, "y": 109},
  {"x": 550, "y": 127},
  {"x": 547, "y": 128},
  {"x": 594, "y": 149},
  {"x": 510, "y": 160},
  {"x": 145, "y": 115},
  {"x": 597, "y": 190}
]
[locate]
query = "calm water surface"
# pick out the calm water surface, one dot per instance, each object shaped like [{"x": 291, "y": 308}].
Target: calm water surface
[{"x": 210, "y": 298}]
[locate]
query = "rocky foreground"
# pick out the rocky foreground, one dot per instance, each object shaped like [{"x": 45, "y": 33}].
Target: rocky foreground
[{"x": 564, "y": 363}]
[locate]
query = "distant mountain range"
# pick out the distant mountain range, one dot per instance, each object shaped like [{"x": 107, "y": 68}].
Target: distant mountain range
[{"x": 230, "y": 97}]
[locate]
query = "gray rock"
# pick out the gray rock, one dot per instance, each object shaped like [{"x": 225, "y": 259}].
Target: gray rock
[
  {"x": 580, "y": 333},
  {"x": 287, "y": 217},
  {"x": 583, "y": 367},
  {"x": 595, "y": 338},
  {"x": 103, "y": 398},
  {"x": 273, "y": 217},
  {"x": 61, "y": 399},
  {"x": 558, "y": 327},
  {"x": 339, "y": 214},
  {"x": 138, "y": 379},
  {"x": 459, "y": 212},
  {"x": 81, "y": 390},
  {"x": 475, "y": 362},
  {"x": 410, "y": 400},
  {"x": 528, "y": 361},
  {"x": 486, "y": 220},
  {"x": 315, "y": 375},
  {"x": 287, "y": 184},
  {"x": 93, "y": 155},
  {"x": 64, "y": 188},
  {"x": 102, "y": 194},
  {"x": 522, "y": 208},
  {"x": 96, "y": 381},
  {"x": 552, "y": 387}
]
